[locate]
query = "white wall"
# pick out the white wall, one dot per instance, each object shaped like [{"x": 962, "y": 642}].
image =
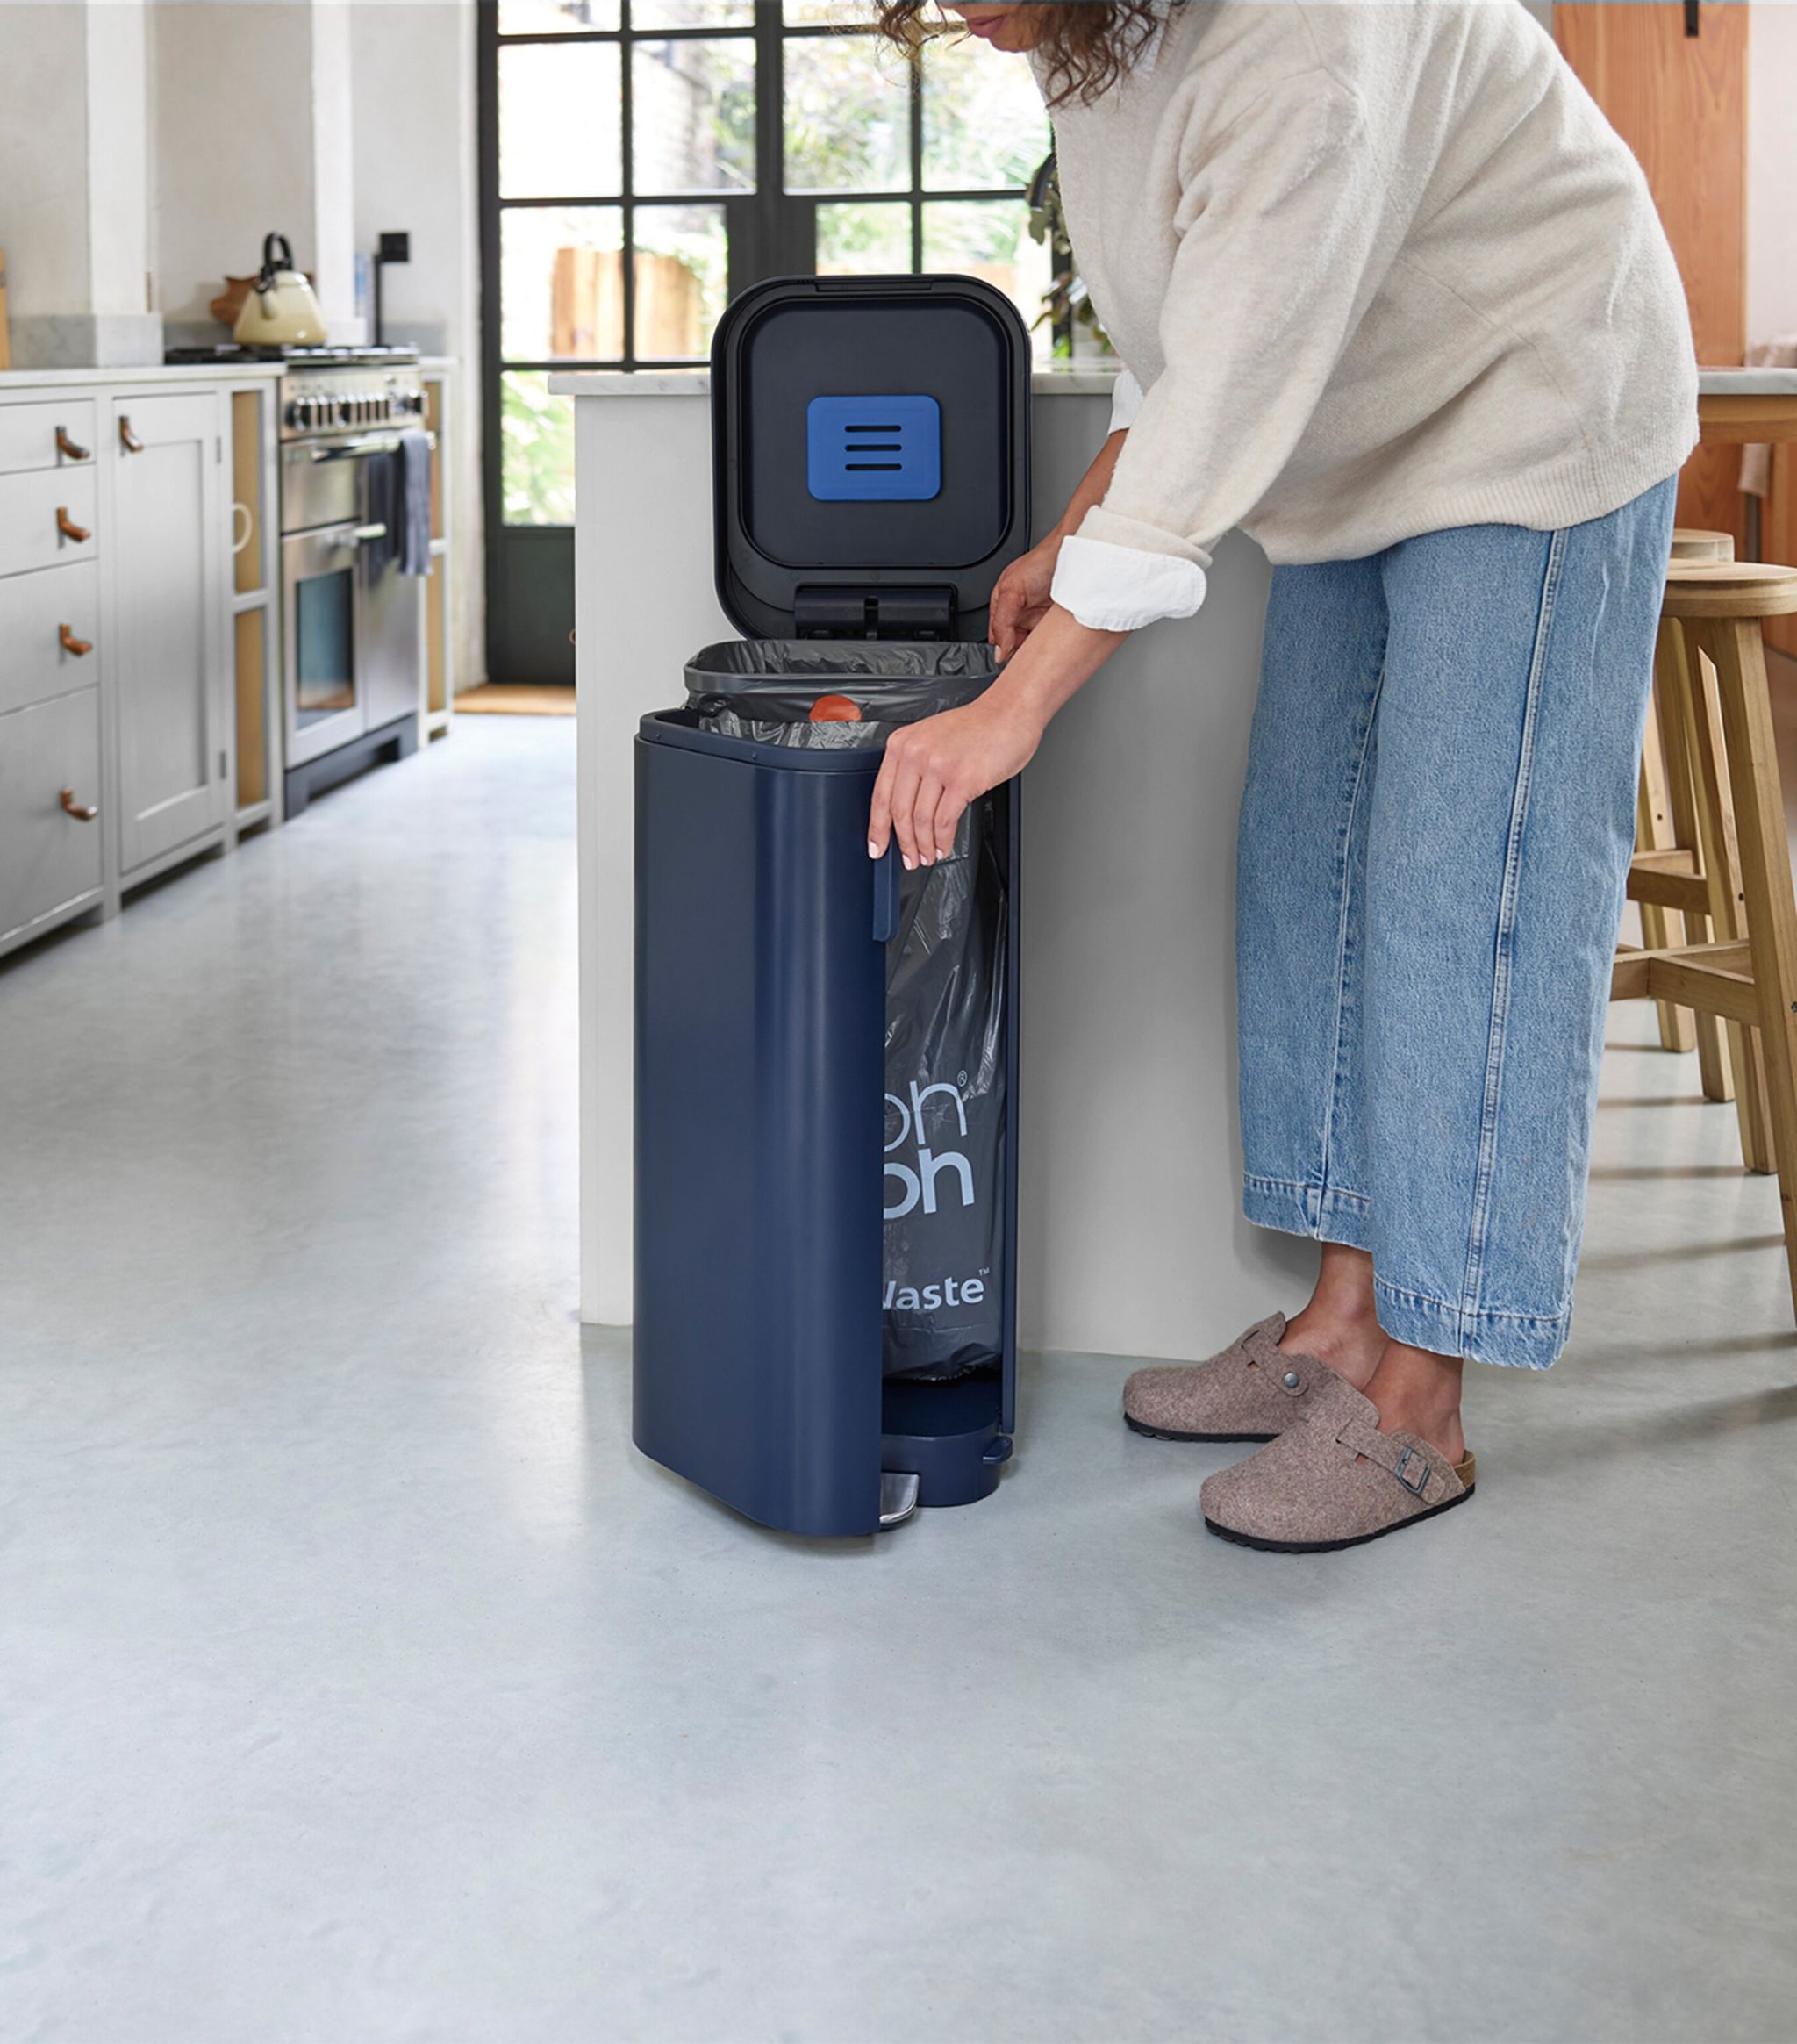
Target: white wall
[
  {"x": 43, "y": 188},
  {"x": 413, "y": 67},
  {"x": 1771, "y": 170}
]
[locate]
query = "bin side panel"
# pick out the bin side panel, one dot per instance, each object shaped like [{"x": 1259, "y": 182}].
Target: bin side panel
[{"x": 760, "y": 999}]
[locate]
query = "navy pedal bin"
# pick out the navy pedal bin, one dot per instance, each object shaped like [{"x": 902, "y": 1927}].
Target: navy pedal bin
[{"x": 870, "y": 481}]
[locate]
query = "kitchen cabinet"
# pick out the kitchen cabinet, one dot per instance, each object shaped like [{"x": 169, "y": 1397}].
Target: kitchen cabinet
[
  {"x": 136, "y": 594},
  {"x": 50, "y": 842},
  {"x": 173, "y": 776}
]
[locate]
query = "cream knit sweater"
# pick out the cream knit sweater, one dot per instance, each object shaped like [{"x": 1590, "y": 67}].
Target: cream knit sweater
[{"x": 1381, "y": 267}]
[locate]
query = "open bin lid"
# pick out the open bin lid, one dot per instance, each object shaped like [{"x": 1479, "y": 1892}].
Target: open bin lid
[{"x": 870, "y": 455}]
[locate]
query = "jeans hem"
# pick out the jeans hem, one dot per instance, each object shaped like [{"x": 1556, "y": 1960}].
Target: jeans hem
[
  {"x": 1322, "y": 1213},
  {"x": 1516, "y": 1341}
]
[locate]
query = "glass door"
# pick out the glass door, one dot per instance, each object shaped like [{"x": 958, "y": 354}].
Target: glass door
[{"x": 643, "y": 160}]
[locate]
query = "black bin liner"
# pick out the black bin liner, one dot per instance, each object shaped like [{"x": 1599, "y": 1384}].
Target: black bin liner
[{"x": 946, "y": 1081}]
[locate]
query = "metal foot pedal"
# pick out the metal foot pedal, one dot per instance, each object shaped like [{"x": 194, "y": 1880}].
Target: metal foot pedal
[{"x": 897, "y": 1496}]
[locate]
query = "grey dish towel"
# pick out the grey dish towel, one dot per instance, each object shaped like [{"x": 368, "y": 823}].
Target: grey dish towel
[
  {"x": 381, "y": 508},
  {"x": 413, "y": 523}
]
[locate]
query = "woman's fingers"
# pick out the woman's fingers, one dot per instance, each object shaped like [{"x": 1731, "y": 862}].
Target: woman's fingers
[
  {"x": 894, "y": 809},
  {"x": 923, "y": 817},
  {"x": 949, "y": 813}
]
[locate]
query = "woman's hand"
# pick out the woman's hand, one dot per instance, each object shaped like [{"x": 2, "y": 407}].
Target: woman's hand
[
  {"x": 1021, "y": 595},
  {"x": 933, "y": 770}
]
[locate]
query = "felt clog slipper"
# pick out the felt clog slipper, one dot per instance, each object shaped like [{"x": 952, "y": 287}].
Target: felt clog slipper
[
  {"x": 1248, "y": 1392},
  {"x": 1333, "y": 1481}
]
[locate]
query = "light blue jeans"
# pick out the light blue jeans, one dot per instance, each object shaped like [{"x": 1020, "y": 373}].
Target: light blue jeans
[{"x": 1436, "y": 833}]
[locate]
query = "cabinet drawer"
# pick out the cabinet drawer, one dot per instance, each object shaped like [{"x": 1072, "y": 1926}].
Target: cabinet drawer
[
  {"x": 29, "y": 535},
  {"x": 28, "y": 435},
  {"x": 47, "y": 858},
  {"x": 34, "y": 663}
]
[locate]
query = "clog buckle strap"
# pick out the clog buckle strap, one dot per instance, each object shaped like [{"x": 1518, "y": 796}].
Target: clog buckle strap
[{"x": 1421, "y": 1475}]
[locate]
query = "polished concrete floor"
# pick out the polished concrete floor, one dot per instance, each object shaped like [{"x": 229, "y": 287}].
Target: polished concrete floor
[{"x": 358, "y": 1681}]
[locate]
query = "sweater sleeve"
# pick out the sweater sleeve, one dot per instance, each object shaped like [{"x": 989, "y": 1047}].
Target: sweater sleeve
[{"x": 1286, "y": 228}]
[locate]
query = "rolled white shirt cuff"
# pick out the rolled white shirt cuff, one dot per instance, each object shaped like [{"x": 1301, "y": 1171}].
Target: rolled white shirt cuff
[
  {"x": 1126, "y": 402},
  {"x": 1119, "y": 589}
]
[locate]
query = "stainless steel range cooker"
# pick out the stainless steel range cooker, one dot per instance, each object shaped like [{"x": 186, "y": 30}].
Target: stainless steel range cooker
[{"x": 353, "y": 625}]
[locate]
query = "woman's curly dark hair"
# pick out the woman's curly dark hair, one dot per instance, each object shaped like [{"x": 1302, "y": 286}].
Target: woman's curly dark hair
[{"x": 1089, "y": 44}]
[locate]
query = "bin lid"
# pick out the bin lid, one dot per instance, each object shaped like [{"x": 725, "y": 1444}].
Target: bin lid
[{"x": 869, "y": 455}]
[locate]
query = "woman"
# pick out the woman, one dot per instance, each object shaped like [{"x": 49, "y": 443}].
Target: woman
[{"x": 1395, "y": 301}]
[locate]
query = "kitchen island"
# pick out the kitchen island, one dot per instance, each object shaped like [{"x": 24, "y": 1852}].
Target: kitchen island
[{"x": 1132, "y": 1240}]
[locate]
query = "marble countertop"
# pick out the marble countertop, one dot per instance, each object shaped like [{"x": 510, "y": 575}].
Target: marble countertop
[
  {"x": 1762, "y": 383},
  {"x": 148, "y": 372},
  {"x": 1086, "y": 380}
]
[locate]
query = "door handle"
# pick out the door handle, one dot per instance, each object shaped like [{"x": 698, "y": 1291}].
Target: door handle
[
  {"x": 66, "y": 447},
  {"x": 83, "y": 811},
  {"x": 133, "y": 444},
  {"x": 67, "y": 526},
  {"x": 79, "y": 647}
]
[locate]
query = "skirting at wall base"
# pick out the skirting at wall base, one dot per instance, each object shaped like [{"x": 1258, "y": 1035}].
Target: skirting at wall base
[{"x": 79, "y": 340}]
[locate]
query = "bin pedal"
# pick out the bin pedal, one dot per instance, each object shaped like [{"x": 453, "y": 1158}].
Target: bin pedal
[{"x": 897, "y": 1496}]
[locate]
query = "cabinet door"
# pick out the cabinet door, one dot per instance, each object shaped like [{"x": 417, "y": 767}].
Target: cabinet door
[
  {"x": 168, "y": 553},
  {"x": 49, "y": 855}
]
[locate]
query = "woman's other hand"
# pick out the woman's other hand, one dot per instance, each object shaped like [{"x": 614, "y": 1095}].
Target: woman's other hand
[{"x": 1021, "y": 596}]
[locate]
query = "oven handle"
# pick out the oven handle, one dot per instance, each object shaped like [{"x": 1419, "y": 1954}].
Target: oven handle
[
  {"x": 346, "y": 450},
  {"x": 349, "y": 535}
]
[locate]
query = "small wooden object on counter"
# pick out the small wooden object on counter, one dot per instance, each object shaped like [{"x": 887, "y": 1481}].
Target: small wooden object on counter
[{"x": 1747, "y": 972}]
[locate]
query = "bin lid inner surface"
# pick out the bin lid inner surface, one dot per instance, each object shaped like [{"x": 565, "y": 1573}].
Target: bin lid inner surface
[{"x": 870, "y": 455}]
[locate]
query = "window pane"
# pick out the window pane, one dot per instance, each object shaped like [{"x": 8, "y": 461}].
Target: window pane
[
  {"x": 864, "y": 240},
  {"x": 691, "y": 14},
  {"x": 682, "y": 262},
  {"x": 693, "y": 115},
  {"x": 559, "y": 120},
  {"x": 561, "y": 282},
  {"x": 556, "y": 17},
  {"x": 536, "y": 435},
  {"x": 984, "y": 123},
  {"x": 991, "y": 239},
  {"x": 847, "y": 115},
  {"x": 827, "y": 13}
]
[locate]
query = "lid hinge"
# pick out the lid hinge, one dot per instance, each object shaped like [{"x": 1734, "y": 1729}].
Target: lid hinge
[{"x": 841, "y": 612}]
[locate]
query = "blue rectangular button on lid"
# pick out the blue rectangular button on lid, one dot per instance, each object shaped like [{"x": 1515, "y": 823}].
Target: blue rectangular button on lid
[{"x": 878, "y": 449}]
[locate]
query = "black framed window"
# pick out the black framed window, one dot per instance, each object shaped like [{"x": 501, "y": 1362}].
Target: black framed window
[{"x": 642, "y": 159}]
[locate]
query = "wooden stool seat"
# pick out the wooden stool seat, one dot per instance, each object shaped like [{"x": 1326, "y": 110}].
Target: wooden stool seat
[
  {"x": 1729, "y": 589},
  {"x": 1691, "y": 542},
  {"x": 1731, "y": 878}
]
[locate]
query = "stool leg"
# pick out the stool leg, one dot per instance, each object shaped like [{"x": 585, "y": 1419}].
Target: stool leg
[
  {"x": 1674, "y": 699},
  {"x": 1653, "y": 832},
  {"x": 1721, "y": 865},
  {"x": 1738, "y": 652}
]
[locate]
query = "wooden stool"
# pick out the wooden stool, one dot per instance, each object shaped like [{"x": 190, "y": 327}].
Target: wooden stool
[
  {"x": 1665, "y": 820},
  {"x": 1713, "y": 673}
]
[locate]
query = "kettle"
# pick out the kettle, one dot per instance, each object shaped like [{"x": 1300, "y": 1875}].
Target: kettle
[{"x": 280, "y": 307}]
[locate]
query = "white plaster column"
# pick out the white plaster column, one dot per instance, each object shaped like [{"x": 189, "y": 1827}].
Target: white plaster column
[{"x": 75, "y": 183}]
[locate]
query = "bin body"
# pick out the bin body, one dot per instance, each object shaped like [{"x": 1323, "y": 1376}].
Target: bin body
[
  {"x": 870, "y": 482},
  {"x": 760, "y": 1011}
]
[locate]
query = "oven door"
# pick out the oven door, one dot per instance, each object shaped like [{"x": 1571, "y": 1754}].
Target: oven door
[{"x": 319, "y": 576}]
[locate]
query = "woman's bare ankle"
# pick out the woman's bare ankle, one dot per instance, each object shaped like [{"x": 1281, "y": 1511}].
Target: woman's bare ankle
[{"x": 1340, "y": 1326}]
